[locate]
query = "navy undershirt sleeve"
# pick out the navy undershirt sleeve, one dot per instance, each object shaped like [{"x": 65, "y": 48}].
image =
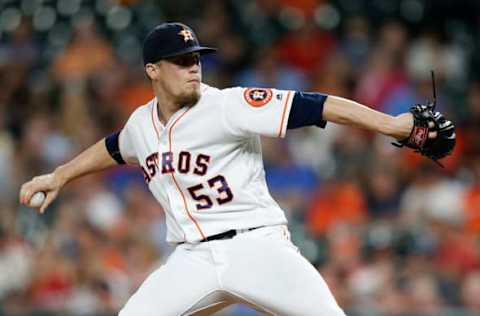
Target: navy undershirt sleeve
[
  {"x": 306, "y": 110},
  {"x": 111, "y": 142}
]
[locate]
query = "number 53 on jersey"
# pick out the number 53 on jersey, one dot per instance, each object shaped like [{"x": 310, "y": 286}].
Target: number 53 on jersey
[{"x": 199, "y": 167}]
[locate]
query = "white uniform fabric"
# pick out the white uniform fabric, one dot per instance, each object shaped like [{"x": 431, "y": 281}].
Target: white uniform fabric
[
  {"x": 205, "y": 168},
  {"x": 216, "y": 158},
  {"x": 261, "y": 268}
]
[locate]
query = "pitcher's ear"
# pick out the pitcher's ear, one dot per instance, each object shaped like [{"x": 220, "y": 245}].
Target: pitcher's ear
[{"x": 151, "y": 71}]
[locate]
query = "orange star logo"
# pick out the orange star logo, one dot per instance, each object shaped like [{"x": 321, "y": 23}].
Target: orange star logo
[
  {"x": 187, "y": 35},
  {"x": 257, "y": 97}
]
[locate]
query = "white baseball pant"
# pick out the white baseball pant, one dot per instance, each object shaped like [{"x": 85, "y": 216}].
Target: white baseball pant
[{"x": 261, "y": 268}]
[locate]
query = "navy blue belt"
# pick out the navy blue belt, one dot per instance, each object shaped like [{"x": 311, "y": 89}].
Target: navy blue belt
[{"x": 229, "y": 234}]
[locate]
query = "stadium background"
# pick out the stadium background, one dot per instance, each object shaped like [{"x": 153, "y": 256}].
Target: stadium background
[{"x": 392, "y": 233}]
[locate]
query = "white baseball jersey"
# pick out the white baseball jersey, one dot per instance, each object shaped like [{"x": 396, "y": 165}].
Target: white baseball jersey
[{"x": 204, "y": 166}]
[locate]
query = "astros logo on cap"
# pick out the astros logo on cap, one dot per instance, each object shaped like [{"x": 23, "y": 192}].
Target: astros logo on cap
[
  {"x": 187, "y": 35},
  {"x": 257, "y": 96}
]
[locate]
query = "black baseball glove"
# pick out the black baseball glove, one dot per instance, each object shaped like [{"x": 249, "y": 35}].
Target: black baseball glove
[{"x": 425, "y": 120}]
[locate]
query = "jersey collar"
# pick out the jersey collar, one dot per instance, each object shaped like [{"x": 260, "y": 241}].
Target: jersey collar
[{"x": 156, "y": 121}]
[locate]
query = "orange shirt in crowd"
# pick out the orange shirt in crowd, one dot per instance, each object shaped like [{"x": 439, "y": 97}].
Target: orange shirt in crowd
[
  {"x": 72, "y": 64},
  {"x": 340, "y": 202},
  {"x": 472, "y": 209},
  {"x": 307, "y": 7},
  {"x": 134, "y": 95}
]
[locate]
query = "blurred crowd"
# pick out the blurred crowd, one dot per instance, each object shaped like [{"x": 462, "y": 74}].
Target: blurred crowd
[{"x": 391, "y": 232}]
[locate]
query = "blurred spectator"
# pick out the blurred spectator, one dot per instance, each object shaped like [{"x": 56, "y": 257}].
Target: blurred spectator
[
  {"x": 352, "y": 151},
  {"x": 471, "y": 202},
  {"x": 370, "y": 280},
  {"x": 6, "y": 163},
  {"x": 470, "y": 126},
  {"x": 304, "y": 147},
  {"x": 381, "y": 78},
  {"x": 427, "y": 53},
  {"x": 72, "y": 64},
  {"x": 288, "y": 181},
  {"x": 334, "y": 77},
  {"x": 355, "y": 43},
  {"x": 344, "y": 244},
  {"x": 391, "y": 233},
  {"x": 306, "y": 48},
  {"x": 431, "y": 196},
  {"x": 455, "y": 256},
  {"x": 307, "y": 7},
  {"x": 262, "y": 19},
  {"x": 15, "y": 263},
  {"x": 424, "y": 295},
  {"x": 103, "y": 210},
  {"x": 22, "y": 49},
  {"x": 471, "y": 291},
  {"x": 338, "y": 201},
  {"x": 270, "y": 71},
  {"x": 384, "y": 74},
  {"x": 50, "y": 288},
  {"x": 382, "y": 193}
]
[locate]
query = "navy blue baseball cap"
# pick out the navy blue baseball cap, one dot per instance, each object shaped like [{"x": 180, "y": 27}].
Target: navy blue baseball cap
[{"x": 169, "y": 40}]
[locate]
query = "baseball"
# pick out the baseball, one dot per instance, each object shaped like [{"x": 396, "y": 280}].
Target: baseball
[{"x": 37, "y": 199}]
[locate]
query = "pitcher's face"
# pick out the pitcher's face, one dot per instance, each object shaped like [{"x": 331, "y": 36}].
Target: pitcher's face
[{"x": 179, "y": 77}]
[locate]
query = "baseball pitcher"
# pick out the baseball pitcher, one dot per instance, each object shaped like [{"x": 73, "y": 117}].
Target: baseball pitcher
[{"x": 200, "y": 153}]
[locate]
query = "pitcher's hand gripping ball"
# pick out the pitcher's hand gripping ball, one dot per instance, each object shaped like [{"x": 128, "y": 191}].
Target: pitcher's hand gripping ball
[{"x": 37, "y": 200}]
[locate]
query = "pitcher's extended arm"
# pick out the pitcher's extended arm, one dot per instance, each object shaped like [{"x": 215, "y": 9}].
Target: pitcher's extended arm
[{"x": 93, "y": 159}]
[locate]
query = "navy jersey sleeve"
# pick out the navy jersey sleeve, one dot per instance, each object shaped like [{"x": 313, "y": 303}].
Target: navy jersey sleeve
[
  {"x": 113, "y": 148},
  {"x": 306, "y": 110}
]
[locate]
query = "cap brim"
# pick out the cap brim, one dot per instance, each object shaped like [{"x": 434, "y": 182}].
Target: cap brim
[{"x": 200, "y": 49}]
